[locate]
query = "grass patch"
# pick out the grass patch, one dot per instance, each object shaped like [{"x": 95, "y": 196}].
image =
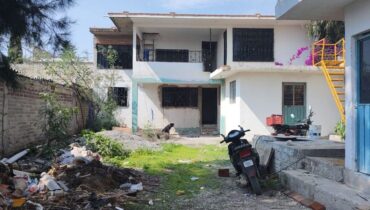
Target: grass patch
[{"x": 176, "y": 165}]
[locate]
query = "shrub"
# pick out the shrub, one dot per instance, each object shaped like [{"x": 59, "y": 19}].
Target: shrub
[
  {"x": 57, "y": 118},
  {"x": 340, "y": 129},
  {"x": 104, "y": 146}
]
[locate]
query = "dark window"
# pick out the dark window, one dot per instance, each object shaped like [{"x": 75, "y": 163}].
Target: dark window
[
  {"x": 365, "y": 71},
  {"x": 123, "y": 60},
  {"x": 166, "y": 55},
  {"x": 119, "y": 95},
  {"x": 294, "y": 94},
  {"x": 253, "y": 44},
  {"x": 232, "y": 92},
  {"x": 179, "y": 97}
]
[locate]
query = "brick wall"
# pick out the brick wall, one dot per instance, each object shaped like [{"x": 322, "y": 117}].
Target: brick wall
[{"x": 20, "y": 117}]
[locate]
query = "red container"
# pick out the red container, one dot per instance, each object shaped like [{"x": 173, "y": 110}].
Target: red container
[{"x": 275, "y": 120}]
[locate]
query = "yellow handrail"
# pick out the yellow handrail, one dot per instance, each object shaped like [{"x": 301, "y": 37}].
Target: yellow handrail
[{"x": 322, "y": 54}]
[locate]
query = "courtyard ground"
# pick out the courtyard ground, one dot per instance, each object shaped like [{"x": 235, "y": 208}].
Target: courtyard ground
[{"x": 187, "y": 169}]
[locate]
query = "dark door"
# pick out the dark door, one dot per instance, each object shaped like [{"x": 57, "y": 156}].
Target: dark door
[
  {"x": 363, "y": 106},
  {"x": 209, "y": 55},
  {"x": 209, "y": 106},
  {"x": 294, "y": 105}
]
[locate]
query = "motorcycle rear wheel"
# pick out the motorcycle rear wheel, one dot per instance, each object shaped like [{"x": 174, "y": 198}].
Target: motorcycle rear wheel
[{"x": 255, "y": 185}]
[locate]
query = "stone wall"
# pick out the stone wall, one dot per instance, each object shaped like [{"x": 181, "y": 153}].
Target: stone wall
[{"x": 20, "y": 118}]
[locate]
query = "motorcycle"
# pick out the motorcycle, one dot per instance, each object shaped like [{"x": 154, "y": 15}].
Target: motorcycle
[
  {"x": 244, "y": 158},
  {"x": 299, "y": 129}
]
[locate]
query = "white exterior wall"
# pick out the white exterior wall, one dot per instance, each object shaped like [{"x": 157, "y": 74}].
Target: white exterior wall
[
  {"x": 150, "y": 111},
  {"x": 260, "y": 94},
  {"x": 287, "y": 40},
  {"x": 357, "y": 15},
  {"x": 231, "y": 112}
]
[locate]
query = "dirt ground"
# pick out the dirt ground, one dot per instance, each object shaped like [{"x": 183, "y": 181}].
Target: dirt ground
[{"x": 230, "y": 194}]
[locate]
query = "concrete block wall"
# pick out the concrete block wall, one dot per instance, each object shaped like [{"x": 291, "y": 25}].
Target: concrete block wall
[
  {"x": 20, "y": 118},
  {"x": 285, "y": 157}
]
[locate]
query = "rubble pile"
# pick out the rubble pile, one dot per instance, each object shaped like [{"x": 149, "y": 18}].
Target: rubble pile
[{"x": 76, "y": 179}]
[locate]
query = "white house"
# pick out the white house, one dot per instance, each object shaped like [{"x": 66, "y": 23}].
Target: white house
[
  {"x": 356, "y": 14},
  {"x": 209, "y": 73}
]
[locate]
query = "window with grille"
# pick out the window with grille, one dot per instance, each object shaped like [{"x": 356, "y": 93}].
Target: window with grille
[
  {"x": 169, "y": 55},
  {"x": 253, "y": 44},
  {"x": 179, "y": 97},
  {"x": 123, "y": 59},
  {"x": 119, "y": 95},
  {"x": 294, "y": 94},
  {"x": 233, "y": 92}
]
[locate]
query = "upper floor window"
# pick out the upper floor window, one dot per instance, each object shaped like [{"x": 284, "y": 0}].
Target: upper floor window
[
  {"x": 119, "y": 95},
  {"x": 253, "y": 45},
  {"x": 114, "y": 56}
]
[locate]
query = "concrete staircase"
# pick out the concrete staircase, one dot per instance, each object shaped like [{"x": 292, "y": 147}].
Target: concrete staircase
[{"x": 322, "y": 179}]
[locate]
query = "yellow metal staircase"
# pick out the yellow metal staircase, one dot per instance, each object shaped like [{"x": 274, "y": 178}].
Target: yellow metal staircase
[{"x": 331, "y": 59}]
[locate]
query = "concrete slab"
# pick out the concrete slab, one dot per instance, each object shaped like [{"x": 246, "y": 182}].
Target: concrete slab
[
  {"x": 334, "y": 195},
  {"x": 288, "y": 154}
]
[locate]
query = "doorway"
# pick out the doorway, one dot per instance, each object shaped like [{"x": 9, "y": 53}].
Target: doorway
[
  {"x": 363, "y": 105},
  {"x": 294, "y": 102},
  {"x": 209, "y": 56},
  {"x": 209, "y": 106}
]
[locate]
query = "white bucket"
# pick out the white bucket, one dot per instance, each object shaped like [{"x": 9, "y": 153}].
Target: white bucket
[{"x": 314, "y": 132}]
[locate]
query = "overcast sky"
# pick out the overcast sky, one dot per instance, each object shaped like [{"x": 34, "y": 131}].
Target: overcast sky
[{"x": 92, "y": 13}]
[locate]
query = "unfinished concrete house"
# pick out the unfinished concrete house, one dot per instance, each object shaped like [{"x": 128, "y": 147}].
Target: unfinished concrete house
[{"x": 209, "y": 73}]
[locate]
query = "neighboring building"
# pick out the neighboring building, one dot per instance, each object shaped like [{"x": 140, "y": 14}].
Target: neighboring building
[
  {"x": 211, "y": 73},
  {"x": 356, "y": 14}
]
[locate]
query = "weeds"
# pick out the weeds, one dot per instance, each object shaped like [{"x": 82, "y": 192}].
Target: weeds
[
  {"x": 149, "y": 131},
  {"x": 105, "y": 146}
]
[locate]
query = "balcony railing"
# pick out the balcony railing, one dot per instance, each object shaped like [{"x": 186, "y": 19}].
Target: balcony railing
[{"x": 173, "y": 55}]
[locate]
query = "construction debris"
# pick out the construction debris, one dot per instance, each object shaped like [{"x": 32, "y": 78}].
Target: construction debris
[{"x": 75, "y": 179}]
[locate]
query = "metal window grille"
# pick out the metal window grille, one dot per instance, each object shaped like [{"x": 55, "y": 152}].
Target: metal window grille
[
  {"x": 253, "y": 45},
  {"x": 119, "y": 95},
  {"x": 179, "y": 97}
]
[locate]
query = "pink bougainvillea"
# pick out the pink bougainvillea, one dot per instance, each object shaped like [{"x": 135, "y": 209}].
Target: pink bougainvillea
[{"x": 300, "y": 51}]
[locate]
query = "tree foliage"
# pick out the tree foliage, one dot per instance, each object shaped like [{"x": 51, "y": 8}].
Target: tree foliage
[
  {"x": 15, "y": 52},
  {"x": 333, "y": 31},
  {"x": 89, "y": 85},
  {"x": 57, "y": 118},
  {"x": 35, "y": 21}
]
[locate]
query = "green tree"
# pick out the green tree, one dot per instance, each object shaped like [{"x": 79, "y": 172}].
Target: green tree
[
  {"x": 15, "y": 52},
  {"x": 333, "y": 31},
  {"x": 35, "y": 22},
  {"x": 86, "y": 83}
]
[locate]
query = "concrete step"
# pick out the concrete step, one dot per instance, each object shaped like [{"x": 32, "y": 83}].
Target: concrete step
[
  {"x": 333, "y": 195},
  {"x": 327, "y": 167},
  {"x": 210, "y": 130}
]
